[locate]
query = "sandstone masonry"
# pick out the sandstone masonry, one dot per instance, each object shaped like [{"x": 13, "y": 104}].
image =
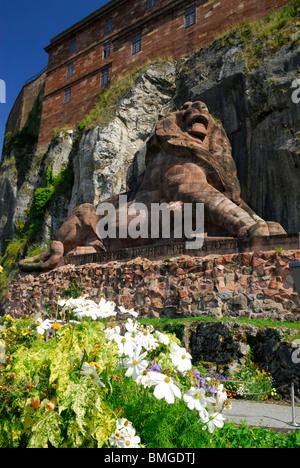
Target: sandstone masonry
[{"x": 251, "y": 284}]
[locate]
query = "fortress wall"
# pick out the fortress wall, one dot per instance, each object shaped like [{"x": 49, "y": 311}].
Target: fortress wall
[
  {"x": 249, "y": 284},
  {"x": 163, "y": 34}
]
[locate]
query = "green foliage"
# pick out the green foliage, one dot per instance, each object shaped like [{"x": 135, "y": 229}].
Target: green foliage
[
  {"x": 243, "y": 436},
  {"x": 37, "y": 249},
  {"x": 265, "y": 36},
  {"x": 12, "y": 253},
  {"x": 69, "y": 411},
  {"x": 41, "y": 200},
  {"x": 44, "y": 196},
  {"x": 74, "y": 290},
  {"x": 28, "y": 135},
  {"x": 46, "y": 401},
  {"x": 251, "y": 383},
  {"x": 108, "y": 99},
  {"x": 27, "y": 232}
]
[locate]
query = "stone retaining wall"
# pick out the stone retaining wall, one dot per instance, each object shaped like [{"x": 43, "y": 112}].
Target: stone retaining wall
[
  {"x": 227, "y": 345},
  {"x": 251, "y": 284}
]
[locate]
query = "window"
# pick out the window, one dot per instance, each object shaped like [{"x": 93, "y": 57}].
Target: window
[
  {"x": 72, "y": 47},
  {"x": 150, "y": 3},
  {"x": 67, "y": 97},
  {"x": 108, "y": 25},
  {"x": 70, "y": 69},
  {"x": 106, "y": 50},
  {"x": 136, "y": 44},
  {"x": 190, "y": 16},
  {"x": 104, "y": 77}
]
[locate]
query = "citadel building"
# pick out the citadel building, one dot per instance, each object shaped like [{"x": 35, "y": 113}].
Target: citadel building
[{"x": 116, "y": 39}]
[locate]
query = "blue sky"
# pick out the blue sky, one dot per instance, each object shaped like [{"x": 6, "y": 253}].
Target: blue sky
[{"x": 26, "y": 27}]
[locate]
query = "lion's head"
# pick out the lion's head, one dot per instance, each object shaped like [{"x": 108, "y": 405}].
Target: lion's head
[{"x": 192, "y": 133}]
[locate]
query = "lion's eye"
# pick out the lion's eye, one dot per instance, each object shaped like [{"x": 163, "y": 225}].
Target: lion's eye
[{"x": 186, "y": 105}]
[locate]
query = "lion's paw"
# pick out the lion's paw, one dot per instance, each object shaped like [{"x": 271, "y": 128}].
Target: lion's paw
[{"x": 259, "y": 229}]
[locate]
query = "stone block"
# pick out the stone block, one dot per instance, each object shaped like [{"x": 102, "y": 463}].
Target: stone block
[{"x": 238, "y": 302}]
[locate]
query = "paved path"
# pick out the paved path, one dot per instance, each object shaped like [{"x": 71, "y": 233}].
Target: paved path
[{"x": 262, "y": 414}]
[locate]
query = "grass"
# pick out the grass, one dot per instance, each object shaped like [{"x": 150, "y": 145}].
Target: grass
[
  {"x": 108, "y": 99},
  {"x": 265, "y": 36},
  {"x": 170, "y": 426},
  {"x": 165, "y": 322}
]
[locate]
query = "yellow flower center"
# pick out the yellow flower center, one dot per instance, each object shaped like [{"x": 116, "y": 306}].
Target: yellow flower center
[
  {"x": 197, "y": 396},
  {"x": 167, "y": 380},
  {"x": 183, "y": 356},
  {"x": 124, "y": 340},
  {"x": 127, "y": 443},
  {"x": 145, "y": 372}
]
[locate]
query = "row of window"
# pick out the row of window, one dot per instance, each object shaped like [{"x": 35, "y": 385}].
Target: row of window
[
  {"x": 136, "y": 47},
  {"x": 104, "y": 82},
  {"x": 107, "y": 28},
  {"x": 190, "y": 19}
]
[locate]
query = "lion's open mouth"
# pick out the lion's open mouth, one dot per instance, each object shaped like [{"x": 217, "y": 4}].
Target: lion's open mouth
[{"x": 196, "y": 125}]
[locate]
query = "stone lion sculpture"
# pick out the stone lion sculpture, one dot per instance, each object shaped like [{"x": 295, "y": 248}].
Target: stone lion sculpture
[{"x": 188, "y": 160}]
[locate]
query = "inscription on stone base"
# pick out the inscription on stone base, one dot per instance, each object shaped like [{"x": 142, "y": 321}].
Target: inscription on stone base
[{"x": 211, "y": 246}]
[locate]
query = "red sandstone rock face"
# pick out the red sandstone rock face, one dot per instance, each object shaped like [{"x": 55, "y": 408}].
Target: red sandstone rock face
[{"x": 189, "y": 160}]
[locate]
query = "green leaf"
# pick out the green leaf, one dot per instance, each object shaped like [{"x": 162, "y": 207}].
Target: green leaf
[
  {"x": 47, "y": 430},
  {"x": 60, "y": 366}
]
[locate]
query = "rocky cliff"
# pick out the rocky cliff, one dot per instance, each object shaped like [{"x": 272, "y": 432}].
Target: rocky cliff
[{"x": 246, "y": 82}]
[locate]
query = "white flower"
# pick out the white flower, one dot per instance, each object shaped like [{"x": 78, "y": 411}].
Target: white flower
[
  {"x": 162, "y": 338},
  {"x": 221, "y": 397},
  {"x": 91, "y": 372},
  {"x": 213, "y": 420},
  {"x": 147, "y": 340},
  {"x": 144, "y": 379},
  {"x": 72, "y": 303},
  {"x": 111, "y": 332},
  {"x": 106, "y": 308},
  {"x": 129, "y": 442},
  {"x": 180, "y": 358},
  {"x": 126, "y": 344},
  {"x": 196, "y": 399},
  {"x": 135, "y": 363},
  {"x": 127, "y": 311},
  {"x": 83, "y": 307},
  {"x": 165, "y": 388},
  {"x": 131, "y": 325},
  {"x": 125, "y": 427},
  {"x": 86, "y": 308},
  {"x": 124, "y": 435},
  {"x": 43, "y": 326}
]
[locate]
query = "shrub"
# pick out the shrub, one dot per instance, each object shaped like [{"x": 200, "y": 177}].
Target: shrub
[
  {"x": 251, "y": 383},
  {"x": 85, "y": 383},
  {"x": 69, "y": 384}
]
